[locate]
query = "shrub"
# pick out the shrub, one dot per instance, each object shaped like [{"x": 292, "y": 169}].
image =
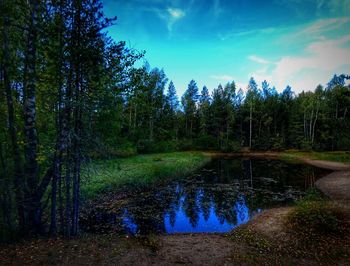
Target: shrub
[
  {"x": 186, "y": 145},
  {"x": 344, "y": 143},
  {"x": 277, "y": 144},
  {"x": 146, "y": 146},
  {"x": 206, "y": 142},
  {"x": 234, "y": 146},
  {"x": 305, "y": 145}
]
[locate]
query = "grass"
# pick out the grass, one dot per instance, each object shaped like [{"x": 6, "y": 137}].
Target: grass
[
  {"x": 314, "y": 215},
  {"x": 336, "y": 156},
  {"x": 137, "y": 171}
]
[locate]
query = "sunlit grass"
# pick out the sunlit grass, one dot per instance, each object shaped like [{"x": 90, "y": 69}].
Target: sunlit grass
[{"x": 140, "y": 170}]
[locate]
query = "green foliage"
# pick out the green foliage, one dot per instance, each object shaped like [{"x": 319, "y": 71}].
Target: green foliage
[
  {"x": 206, "y": 142},
  {"x": 277, "y": 144},
  {"x": 234, "y": 146},
  {"x": 305, "y": 145},
  {"x": 146, "y": 146},
  {"x": 313, "y": 194},
  {"x": 186, "y": 144},
  {"x": 344, "y": 143}
]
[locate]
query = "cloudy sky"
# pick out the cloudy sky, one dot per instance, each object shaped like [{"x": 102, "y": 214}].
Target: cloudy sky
[{"x": 300, "y": 43}]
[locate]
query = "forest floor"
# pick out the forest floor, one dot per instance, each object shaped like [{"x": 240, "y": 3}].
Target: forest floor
[{"x": 268, "y": 239}]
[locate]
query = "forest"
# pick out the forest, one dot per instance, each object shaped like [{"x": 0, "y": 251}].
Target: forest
[{"x": 70, "y": 95}]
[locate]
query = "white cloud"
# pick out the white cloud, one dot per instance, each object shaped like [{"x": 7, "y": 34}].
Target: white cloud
[
  {"x": 225, "y": 78},
  {"x": 316, "y": 30},
  {"x": 235, "y": 33},
  {"x": 170, "y": 15},
  {"x": 176, "y": 13},
  {"x": 259, "y": 60},
  {"x": 304, "y": 72},
  {"x": 323, "y": 25}
]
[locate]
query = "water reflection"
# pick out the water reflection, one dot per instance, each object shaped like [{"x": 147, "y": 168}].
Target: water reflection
[{"x": 223, "y": 195}]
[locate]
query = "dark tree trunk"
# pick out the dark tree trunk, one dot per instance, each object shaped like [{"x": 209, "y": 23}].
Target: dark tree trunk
[
  {"x": 5, "y": 196},
  {"x": 18, "y": 172},
  {"x": 61, "y": 133},
  {"x": 77, "y": 116},
  {"x": 33, "y": 204}
]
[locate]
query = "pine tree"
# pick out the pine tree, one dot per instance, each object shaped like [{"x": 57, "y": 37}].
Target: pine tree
[{"x": 189, "y": 103}]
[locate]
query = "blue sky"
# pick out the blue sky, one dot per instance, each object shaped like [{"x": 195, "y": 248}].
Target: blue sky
[{"x": 298, "y": 42}]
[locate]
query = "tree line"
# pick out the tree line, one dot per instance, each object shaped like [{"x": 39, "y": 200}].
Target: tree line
[
  {"x": 69, "y": 93},
  {"x": 230, "y": 118}
]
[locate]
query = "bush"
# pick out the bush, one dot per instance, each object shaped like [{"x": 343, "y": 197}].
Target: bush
[
  {"x": 234, "y": 146},
  {"x": 263, "y": 143},
  {"x": 124, "y": 149},
  {"x": 305, "y": 145},
  {"x": 186, "y": 145},
  {"x": 277, "y": 144},
  {"x": 146, "y": 146},
  {"x": 344, "y": 143},
  {"x": 206, "y": 142}
]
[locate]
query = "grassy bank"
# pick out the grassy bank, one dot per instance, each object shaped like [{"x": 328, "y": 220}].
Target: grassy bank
[
  {"x": 336, "y": 156},
  {"x": 140, "y": 170}
]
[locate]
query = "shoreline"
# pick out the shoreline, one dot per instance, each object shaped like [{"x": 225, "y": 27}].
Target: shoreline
[{"x": 262, "y": 240}]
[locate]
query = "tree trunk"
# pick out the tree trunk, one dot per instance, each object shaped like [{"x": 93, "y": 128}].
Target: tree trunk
[
  {"x": 17, "y": 162},
  {"x": 5, "y": 196},
  {"x": 310, "y": 124},
  {"x": 314, "y": 124},
  {"x": 31, "y": 138},
  {"x": 250, "y": 125}
]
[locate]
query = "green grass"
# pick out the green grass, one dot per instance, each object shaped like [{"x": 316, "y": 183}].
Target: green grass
[
  {"x": 137, "y": 171},
  {"x": 336, "y": 156}
]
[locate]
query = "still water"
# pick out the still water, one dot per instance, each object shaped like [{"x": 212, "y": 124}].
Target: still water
[{"x": 221, "y": 196}]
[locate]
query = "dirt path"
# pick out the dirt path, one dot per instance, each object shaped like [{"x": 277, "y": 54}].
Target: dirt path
[
  {"x": 335, "y": 185},
  {"x": 335, "y": 166},
  {"x": 196, "y": 249}
]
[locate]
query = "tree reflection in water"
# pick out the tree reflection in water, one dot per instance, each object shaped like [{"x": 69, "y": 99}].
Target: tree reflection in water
[{"x": 223, "y": 195}]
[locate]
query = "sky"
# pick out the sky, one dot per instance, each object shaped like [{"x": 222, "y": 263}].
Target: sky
[{"x": 301, "y": 43}]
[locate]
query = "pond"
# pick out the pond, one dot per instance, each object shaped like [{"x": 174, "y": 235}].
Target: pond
[{"x": 224, "y": 194}]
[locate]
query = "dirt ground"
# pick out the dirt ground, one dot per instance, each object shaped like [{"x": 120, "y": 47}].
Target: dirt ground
[
  {"x": 264, "y": 240},
  {"x": 335, "y": 185}
]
